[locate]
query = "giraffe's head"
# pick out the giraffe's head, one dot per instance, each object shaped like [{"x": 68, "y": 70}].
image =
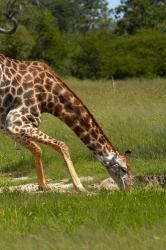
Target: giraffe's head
[{"x": 119, "y": 169}]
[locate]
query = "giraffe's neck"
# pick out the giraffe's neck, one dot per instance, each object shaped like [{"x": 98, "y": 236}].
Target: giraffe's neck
[{"x": 70, "y": 109}]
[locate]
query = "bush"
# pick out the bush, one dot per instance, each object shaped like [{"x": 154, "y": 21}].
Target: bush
[
  {"x": 19, "y": 45},
  {"x": 103, "y": 55}
]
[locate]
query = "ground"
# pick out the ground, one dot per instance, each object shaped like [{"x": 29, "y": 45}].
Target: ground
[{"x": 134, "y": 118}]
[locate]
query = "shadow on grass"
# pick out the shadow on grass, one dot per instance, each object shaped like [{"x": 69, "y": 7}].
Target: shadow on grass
[{"x": 18, "y": 169}]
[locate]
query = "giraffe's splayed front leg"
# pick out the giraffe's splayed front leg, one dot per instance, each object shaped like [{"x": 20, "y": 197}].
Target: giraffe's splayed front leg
[{"x": 29, "y": 134}]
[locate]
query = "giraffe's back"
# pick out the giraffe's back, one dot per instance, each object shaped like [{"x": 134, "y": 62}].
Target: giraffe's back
[
  {"x": 17, "y": 88},
  {"x": 30, "y": 87}
]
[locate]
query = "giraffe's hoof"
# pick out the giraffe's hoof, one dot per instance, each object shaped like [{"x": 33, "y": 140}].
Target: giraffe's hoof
[
  {"x": 81, "y": 189},
  {"x": 44, "y": 188}
]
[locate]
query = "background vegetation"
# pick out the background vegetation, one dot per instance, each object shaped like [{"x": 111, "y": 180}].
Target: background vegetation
[{"x": 86, "y": 39}]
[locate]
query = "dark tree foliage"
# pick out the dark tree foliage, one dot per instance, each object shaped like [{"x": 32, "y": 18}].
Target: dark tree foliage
[
  {"x": 106, "y": 55},
  {"x": 79, "y": 15},
  {"x": 133, "y": 15},
  {"x": 79, "y": 38}
]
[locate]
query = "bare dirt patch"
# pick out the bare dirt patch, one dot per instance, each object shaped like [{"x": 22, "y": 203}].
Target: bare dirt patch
[
  {"x": 63, "y": 186},
  {"x": 66, "y": 186}
]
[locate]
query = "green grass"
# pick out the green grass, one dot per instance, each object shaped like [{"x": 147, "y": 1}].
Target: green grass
[
  {"x": 84, "y": 222},
  {"x": 134, "y": 117}
]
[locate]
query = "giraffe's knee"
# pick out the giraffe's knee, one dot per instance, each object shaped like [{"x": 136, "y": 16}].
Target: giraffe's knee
[
  {"x": 63, "y": 147},
  {"x": 37, "y": 151}
]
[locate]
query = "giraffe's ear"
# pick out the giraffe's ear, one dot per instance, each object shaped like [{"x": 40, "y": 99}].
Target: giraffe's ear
[{"x": 127, "y": 152}]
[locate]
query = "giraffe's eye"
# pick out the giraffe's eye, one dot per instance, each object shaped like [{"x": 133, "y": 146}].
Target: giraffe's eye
[{"x": 124, "y": 170}]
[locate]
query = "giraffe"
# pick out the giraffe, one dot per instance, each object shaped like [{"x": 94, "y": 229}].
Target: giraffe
[{"x": 29, "y": 88}]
